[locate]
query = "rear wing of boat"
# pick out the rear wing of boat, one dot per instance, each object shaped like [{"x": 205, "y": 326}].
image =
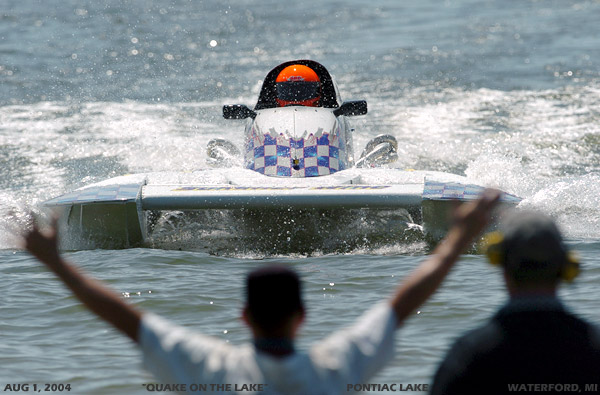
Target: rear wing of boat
[
  {"x": 118, "y": 212},
  {"x": 198, "y": 197},
  {"x": 183, "y": 197}
]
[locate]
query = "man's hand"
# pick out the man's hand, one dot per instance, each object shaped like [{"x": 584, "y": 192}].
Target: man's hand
[
  {"x": 469, "y": 220},
  {"x": 43, "y": 245},
  {"x": 103, "y": 301}
]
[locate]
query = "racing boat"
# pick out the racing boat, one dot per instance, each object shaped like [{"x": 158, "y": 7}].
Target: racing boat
[{"x": 298, "y": 169}]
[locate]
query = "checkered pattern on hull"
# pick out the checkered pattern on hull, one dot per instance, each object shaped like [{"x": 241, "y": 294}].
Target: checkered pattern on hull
[
  {"x": 105, "y": 193},
  {"x": 289, "y": 157},
  {"x": 436, "y": 190}
]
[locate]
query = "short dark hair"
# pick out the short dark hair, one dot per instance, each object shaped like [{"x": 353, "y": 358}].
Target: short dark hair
[{"x": 273, "y": 295}]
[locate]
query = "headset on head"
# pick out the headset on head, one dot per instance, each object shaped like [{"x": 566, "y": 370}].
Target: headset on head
[{"x": 494, "y": 249}]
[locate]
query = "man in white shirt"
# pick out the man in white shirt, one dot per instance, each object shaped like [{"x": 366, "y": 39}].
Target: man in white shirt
[{"x": 190, "y": 362}]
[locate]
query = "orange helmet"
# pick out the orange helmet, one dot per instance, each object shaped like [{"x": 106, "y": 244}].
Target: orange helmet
[{"x": 298, "y": 85}]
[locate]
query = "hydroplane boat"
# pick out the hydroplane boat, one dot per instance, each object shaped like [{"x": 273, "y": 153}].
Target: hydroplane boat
[{"x": 299, "y": 174}]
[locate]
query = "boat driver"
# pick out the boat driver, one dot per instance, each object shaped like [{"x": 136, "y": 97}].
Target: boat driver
[{"x": 298, "y": 85}]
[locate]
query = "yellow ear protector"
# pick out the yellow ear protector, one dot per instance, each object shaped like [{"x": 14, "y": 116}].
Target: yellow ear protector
[
  {"x": 492, "y": 243},
  {"x": 572, "y": 268},
  {"x": 494, "y": 250}
]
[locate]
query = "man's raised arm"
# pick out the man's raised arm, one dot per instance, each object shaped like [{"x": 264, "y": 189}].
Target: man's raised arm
[
  {"x": 469, "y": 220},
  {"x": 92, "y": 293}
]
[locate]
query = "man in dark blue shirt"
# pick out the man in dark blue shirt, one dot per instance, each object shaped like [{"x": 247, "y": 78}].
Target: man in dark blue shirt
[{"x": 532, "y": 344}]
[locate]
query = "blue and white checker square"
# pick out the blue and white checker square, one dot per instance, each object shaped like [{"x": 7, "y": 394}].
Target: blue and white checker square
[
  {"x": 283, "y": 151},
  {"x": 310, "y": 151},
  {"x": 310, "y": 161},
  {"x": 334, "y": 152},
  {"x": 270, "y": 140},
  {"x": 274, "y": 155},
  {"x": 284, "y": 171},
  {"x": 323, "y": 140},
  {"x": 297, "y": 143},
  {"x": 257, "y": 164},
  {"x": 270, "y": 150},
  {"x": 107, "y": 193},
  {"x": 259, "y": 152},
  {"x": 323, "y": 151},
  {"x": 311, "y": 171},
  {"x": 270, "y": 160}
]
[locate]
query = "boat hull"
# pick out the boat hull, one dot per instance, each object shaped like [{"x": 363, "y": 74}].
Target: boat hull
[{"x": 121, "y": 212}]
